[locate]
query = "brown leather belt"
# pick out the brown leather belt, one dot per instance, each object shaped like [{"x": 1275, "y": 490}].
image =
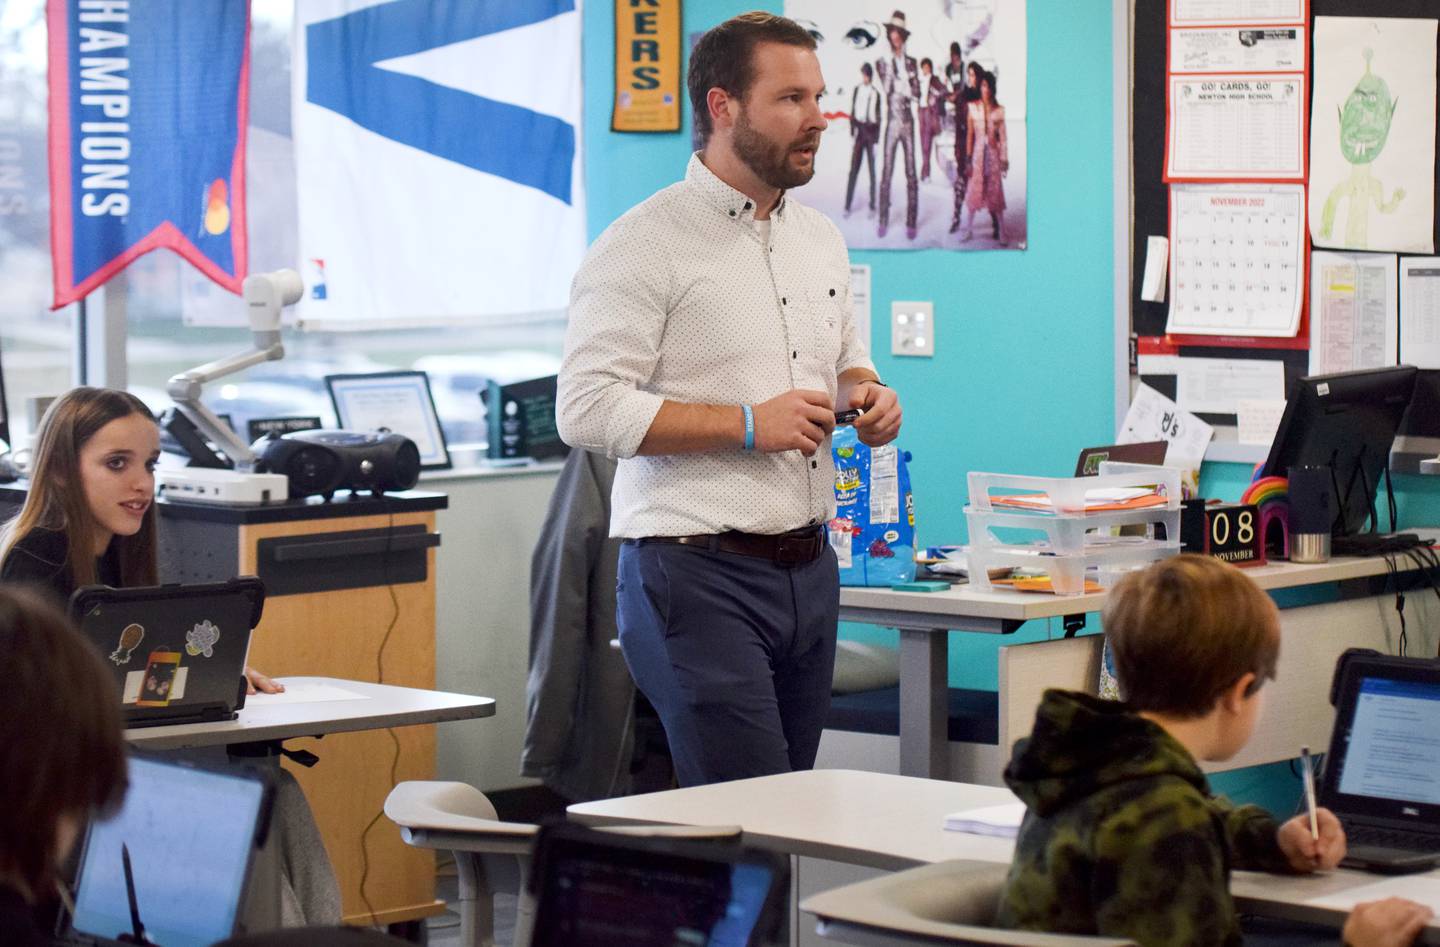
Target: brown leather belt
[{"x": 797, "y": 547}]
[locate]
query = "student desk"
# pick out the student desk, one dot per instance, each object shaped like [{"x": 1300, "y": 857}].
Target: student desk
[
  {"x": 892, "y": 822},
  {"x": 266, "y": 718},
  {"x": 925, "y": 619},
  {"x": 271, "y": 717}
]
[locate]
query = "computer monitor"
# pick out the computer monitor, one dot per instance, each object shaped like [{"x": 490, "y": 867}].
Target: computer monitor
[{"x": 1346, "y": 422}]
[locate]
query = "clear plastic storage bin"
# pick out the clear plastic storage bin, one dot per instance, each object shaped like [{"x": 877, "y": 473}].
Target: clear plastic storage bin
[{"x": 1066, "y": 542}]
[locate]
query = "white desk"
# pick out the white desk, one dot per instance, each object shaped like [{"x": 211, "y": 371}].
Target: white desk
[
  {"x": 925, "y": 618},
  {"x": 267, "y": 717},
  {"x": 894, "y": 822},
  {"x": 873, "y": 819},
  {"x": 273, "y": 717}
]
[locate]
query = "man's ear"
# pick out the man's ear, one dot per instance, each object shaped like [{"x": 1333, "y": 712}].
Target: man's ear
[
  {"x": 1233, "y": 697},
  {"x": 723, "y": 108}
]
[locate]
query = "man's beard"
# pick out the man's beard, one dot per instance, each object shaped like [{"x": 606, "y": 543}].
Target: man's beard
[{"x": 771, "y": 161}]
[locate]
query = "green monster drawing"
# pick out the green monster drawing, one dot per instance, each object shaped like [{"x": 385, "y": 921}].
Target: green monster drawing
[{"x": 1364, "y": 127}]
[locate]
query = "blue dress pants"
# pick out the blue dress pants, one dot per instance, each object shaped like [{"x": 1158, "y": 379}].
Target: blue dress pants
[{"x": 736, "y": 653}]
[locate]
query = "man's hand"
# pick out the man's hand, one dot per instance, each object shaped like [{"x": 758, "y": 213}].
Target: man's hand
[
  {"x": 1305, "y": 853},
  {"x": 1393, "y": 922},
  {"x": 880, "y": 424},
  {"x": 257, "y": 682},
  {"x": 797, "y": 420}
]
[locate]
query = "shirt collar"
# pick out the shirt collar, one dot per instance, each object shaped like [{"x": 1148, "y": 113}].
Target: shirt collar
[{"x": 734, "y": 204}]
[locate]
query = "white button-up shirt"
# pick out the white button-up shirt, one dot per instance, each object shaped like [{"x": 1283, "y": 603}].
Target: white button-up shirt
[{"x": 682, "y": 299}]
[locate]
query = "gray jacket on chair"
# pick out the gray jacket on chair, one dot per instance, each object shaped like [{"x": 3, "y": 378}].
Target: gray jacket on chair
[{"x": 579, "y": 701}]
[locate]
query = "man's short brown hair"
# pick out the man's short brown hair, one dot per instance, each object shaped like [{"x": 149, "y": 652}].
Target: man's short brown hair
[
  {"x": 1184, "y": 630},
  {"x": 722, "y": 58},
  {"x": 62, "y": 754}
]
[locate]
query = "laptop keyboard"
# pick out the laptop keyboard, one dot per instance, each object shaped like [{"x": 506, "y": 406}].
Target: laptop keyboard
[{"x": 1391, "y": 838}]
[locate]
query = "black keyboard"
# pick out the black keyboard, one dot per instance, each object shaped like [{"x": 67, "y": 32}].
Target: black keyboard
[{"x": 1392, "y": 838}]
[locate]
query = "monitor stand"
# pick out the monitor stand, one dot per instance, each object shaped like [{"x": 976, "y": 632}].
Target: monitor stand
[{"x": 1375, "y": 544}]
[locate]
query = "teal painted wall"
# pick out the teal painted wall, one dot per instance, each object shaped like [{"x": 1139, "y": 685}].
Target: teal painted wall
[{"x": 1023, "y": 374}]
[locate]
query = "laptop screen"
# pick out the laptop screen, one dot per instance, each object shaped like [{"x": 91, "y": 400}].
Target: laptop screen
[
  {"x": 1394, "y": 745},
  {"x": 598, "y": 895},
  {"x": 190, "y": 833}
]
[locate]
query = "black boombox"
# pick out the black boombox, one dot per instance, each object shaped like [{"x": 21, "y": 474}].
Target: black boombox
[{"x": 321, "y": 462}]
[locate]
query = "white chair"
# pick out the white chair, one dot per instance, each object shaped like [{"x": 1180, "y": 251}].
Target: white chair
[
  {"x": 950, "y": 902},
  {"x": 491, "y": 856}
]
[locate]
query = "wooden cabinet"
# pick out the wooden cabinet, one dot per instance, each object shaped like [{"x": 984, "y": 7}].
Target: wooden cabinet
[{"x": 352, "y": 595}]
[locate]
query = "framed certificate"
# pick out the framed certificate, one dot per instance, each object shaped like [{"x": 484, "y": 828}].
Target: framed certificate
[{"x": 397, "y": 401}]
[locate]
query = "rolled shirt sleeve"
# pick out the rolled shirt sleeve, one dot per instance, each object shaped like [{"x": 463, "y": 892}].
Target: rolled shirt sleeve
[{"x": 617, "y": 318}]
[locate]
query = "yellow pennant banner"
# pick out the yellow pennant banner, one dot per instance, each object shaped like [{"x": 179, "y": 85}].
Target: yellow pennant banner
[{"x": 647, "y": 66}]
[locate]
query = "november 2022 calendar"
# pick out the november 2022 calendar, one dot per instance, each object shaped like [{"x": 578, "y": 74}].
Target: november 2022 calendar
[{"x": 1237, "y": 255}]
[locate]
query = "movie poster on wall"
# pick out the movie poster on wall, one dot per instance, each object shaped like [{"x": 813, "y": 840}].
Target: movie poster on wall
[{"x": 918, "y": 153}]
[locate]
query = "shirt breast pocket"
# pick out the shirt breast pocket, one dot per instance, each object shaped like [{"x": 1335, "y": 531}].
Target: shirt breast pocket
[{"x": 825, "y": 312}]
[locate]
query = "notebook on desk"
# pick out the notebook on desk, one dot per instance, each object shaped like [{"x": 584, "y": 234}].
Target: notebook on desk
[
  {"x": 177, "y": 651},
  {"x": 175, "y": 861},
  {"x": 1382, "y": 773}
]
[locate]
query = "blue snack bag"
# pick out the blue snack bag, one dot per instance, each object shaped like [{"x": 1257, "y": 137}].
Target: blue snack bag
[{"x": 873, "y": 531}]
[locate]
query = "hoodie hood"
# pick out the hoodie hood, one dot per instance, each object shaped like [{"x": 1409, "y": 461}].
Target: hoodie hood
[{"x": 1082, "y": 744}]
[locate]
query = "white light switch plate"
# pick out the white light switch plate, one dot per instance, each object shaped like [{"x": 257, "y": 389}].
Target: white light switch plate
[{"x": 912, "y": 328}]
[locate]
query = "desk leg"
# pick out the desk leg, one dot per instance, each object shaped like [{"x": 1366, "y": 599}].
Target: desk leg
[{"x": 924, "y": 703}]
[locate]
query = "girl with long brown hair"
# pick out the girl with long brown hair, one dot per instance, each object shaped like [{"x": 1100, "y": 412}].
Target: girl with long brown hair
[{"x": 89, "y": 514}]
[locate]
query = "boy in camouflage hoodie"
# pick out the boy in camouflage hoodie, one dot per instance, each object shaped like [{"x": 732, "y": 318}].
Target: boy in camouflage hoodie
[{"x": 1122, "y": 836}]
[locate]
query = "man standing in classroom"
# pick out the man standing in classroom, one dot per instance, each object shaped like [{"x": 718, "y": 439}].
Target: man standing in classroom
[{"x": 711, "y": 341}]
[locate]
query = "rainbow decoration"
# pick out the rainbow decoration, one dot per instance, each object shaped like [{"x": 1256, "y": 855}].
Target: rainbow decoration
[{"x": 1271, "y": 496}]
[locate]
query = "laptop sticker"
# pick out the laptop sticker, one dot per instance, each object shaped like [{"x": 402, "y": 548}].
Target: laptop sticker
[
  {"x": 134, "y": 679},
  {"x": 130, "y": 639},
  {"x": 155, "y": 688},
  {"x": 201, "y": 639}
]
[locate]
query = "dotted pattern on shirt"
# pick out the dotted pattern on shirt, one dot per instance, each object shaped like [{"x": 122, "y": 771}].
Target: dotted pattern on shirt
[{"x": 681, "y": 299}]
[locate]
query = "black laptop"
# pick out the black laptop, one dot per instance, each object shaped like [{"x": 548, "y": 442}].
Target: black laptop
[
  {"x": 1382, "y": 774},
  {"x": 604, "y": 889},
  {"x": 172, "y": 867},
  {"x": 178, "y": 651}
]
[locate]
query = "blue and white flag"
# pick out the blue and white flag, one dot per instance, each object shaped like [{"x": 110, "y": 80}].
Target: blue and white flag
[
  {"x": 437, "y": 150},
  {"x": 148, "y": 105}
]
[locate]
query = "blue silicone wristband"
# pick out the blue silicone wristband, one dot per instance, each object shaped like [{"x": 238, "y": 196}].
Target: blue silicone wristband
[{"x": 749, "y": 426}]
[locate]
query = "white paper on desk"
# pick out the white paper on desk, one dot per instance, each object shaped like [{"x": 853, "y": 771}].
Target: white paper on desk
[
  {"x": 305, "y": 692},
  {"x": 1238, "y": 49},
  {"x": 1247, "y": 126},
  {"x": 1258, "y": 420},
  {"x": 1372, "y": 137},
  {"x": 1154, "y": 417},
  {"x": 1002, "y": 821},
  {"x": 1420, "y": 311},
  {"x": 860, "y": 301},
  {"x": 1248, "y": 12},
  {"x": 1420, "y": 888},
  {"x": 1237, "y": 259},
  {"x": 1354, "y": 311}
]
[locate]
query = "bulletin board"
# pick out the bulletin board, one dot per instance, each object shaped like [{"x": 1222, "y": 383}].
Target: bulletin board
[{"x": 1150, "y": 214}]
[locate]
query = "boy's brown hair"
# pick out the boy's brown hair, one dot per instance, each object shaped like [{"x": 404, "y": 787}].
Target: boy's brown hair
[
  {"x": 722, "y": 58},
  {"x": 62, "y": 754},
  {"x": 1185, "y": 629}
]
